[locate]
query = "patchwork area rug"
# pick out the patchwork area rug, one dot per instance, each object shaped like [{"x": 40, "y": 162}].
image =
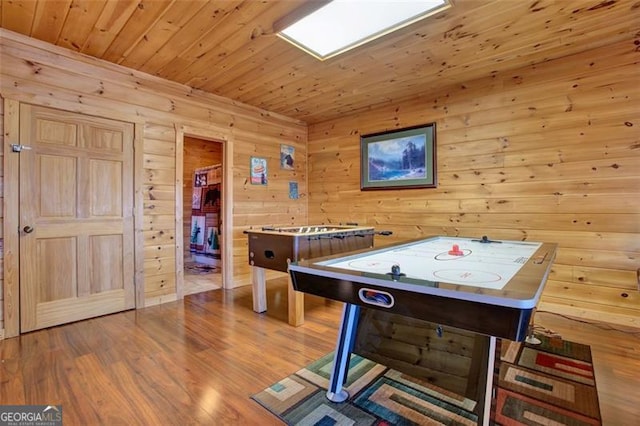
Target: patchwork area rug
[
  {"x": 549, "y": 383},
  {"x": 198, "y": 268}
]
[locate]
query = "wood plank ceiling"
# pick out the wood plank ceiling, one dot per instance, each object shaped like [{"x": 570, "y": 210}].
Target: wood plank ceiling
[{"x": 229, "y": 47}]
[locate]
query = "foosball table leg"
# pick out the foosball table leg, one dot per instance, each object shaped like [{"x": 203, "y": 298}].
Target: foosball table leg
[{"x": 259, "y": 290}]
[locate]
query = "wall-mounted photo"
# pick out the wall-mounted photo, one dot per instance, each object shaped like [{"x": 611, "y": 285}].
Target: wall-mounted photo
[
  {"x": 258, "y": 171},
  {"x": 197, "y": 232},
  {"x": 404, "y": 158},
  {"x": 196, "y": 199},
  {"x": 200, "y": 180},
  {"x": 287, "y": 156},
  {"x": 293, "y": 190},
  {"x": 211, "y": 243}
]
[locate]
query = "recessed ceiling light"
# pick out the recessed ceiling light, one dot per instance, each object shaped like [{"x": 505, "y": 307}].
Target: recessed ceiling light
[{"x": 341, "y": 25}]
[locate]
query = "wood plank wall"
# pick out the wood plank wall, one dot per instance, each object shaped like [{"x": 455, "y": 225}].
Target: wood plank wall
[
  {"x": 43, "y": 74},
  {"x": 159, "y": 232},
  {"x": 1, "y": 219},
  {"x": 546, "y": 153},
  {"x": 197, "y": 153}
]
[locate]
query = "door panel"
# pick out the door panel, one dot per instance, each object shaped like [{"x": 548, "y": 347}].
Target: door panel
[
  {"x": 55, "y": 132},
  {"x": 56, "y": 263},
  {"x": 105, "y": 188},
  {"x": 105, "y": 139},
  {"x": 106, "y": 269},
  {"x": 58, "y": 190},
  {"x": 76, "y": 193}
]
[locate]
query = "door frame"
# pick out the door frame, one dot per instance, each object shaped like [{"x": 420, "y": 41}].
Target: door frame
[
  {"x": 11, "y": 213},
  {"x": 226, "y": 212}
]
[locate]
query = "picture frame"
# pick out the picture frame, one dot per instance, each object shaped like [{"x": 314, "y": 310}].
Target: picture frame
[
  {"x": 200, "y": 180},
  {"x": 399, "y": 159},
  {"x": 197, "y": 232},
  {"x": 196, "y": 198},
  {"x": 211, "y": 243},
  {"x": 287, "y": 157},
  {"x": 293, "y": 190},
  {"x": 258, "y": 170}
]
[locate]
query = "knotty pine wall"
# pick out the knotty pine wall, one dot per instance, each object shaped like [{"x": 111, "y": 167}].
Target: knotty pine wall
[
  {"x": 546, "y": 153},
  {"x": 43, "y": 74},
  {"x": 1, "y": 219}
]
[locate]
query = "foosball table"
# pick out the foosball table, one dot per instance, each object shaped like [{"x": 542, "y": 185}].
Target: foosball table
[{"x": 275, "y": 247}]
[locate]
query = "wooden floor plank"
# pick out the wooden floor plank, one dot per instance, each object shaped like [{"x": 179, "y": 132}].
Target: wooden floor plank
[{"x": 198, "y": 361}]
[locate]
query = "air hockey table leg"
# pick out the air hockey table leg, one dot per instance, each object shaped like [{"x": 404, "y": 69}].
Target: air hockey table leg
[
  {"x": 485, "y": 409},
  {"x": 342, "y": 356}
]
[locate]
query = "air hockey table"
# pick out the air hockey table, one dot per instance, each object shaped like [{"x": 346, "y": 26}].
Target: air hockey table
[
  {"x": 275, "y": 247},
  {"x": 489, "y": 287}
]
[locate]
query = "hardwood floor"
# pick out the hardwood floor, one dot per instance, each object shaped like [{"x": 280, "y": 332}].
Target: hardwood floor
[
  {"x": 199, "y": 361},
  {"x": 198, "y": 283}
]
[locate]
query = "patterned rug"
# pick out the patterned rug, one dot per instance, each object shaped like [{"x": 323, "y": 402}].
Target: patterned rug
[
  {"x": 551, "y": 383},
  {"x": 195, "y": 268}
]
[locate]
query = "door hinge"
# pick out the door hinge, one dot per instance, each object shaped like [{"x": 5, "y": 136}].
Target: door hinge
[{"x": 18, "y": 148}]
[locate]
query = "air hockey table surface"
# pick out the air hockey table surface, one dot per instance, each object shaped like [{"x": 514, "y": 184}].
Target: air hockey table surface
[{"x": 487, "y": 286}]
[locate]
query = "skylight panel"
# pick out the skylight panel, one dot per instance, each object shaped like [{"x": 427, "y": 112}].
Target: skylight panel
[{"x": 344, "y": 24}]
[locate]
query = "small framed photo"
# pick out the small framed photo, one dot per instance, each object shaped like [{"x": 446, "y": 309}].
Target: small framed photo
[
  {"x": 200, "y": 179},
  {"x": 258, "y": 169},
  {"x": 197, "y": 232},
  {"x": 293, "y": 190},
  {"x": 196, "y": 198},
  {"x": 287, "y": 157},
  {"x": 404, "y": 158},
  {"x": 212, "y": 243}
]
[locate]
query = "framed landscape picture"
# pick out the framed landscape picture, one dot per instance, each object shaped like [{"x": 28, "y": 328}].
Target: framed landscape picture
[{"x": 404, "y": 158}]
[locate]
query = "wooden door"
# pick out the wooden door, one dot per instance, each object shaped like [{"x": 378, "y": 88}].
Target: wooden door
[{"x": 76, "y": 217}]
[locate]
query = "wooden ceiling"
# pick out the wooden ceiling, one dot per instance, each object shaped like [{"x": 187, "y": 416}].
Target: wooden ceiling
[{"x": 229, "y": 47}]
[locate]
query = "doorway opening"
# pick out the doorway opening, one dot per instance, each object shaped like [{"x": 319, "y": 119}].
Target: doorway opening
[{"x": 202, "y": 214}]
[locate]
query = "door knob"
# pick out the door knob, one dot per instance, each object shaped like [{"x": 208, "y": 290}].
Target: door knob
[{"x": 27, "y": 229}]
